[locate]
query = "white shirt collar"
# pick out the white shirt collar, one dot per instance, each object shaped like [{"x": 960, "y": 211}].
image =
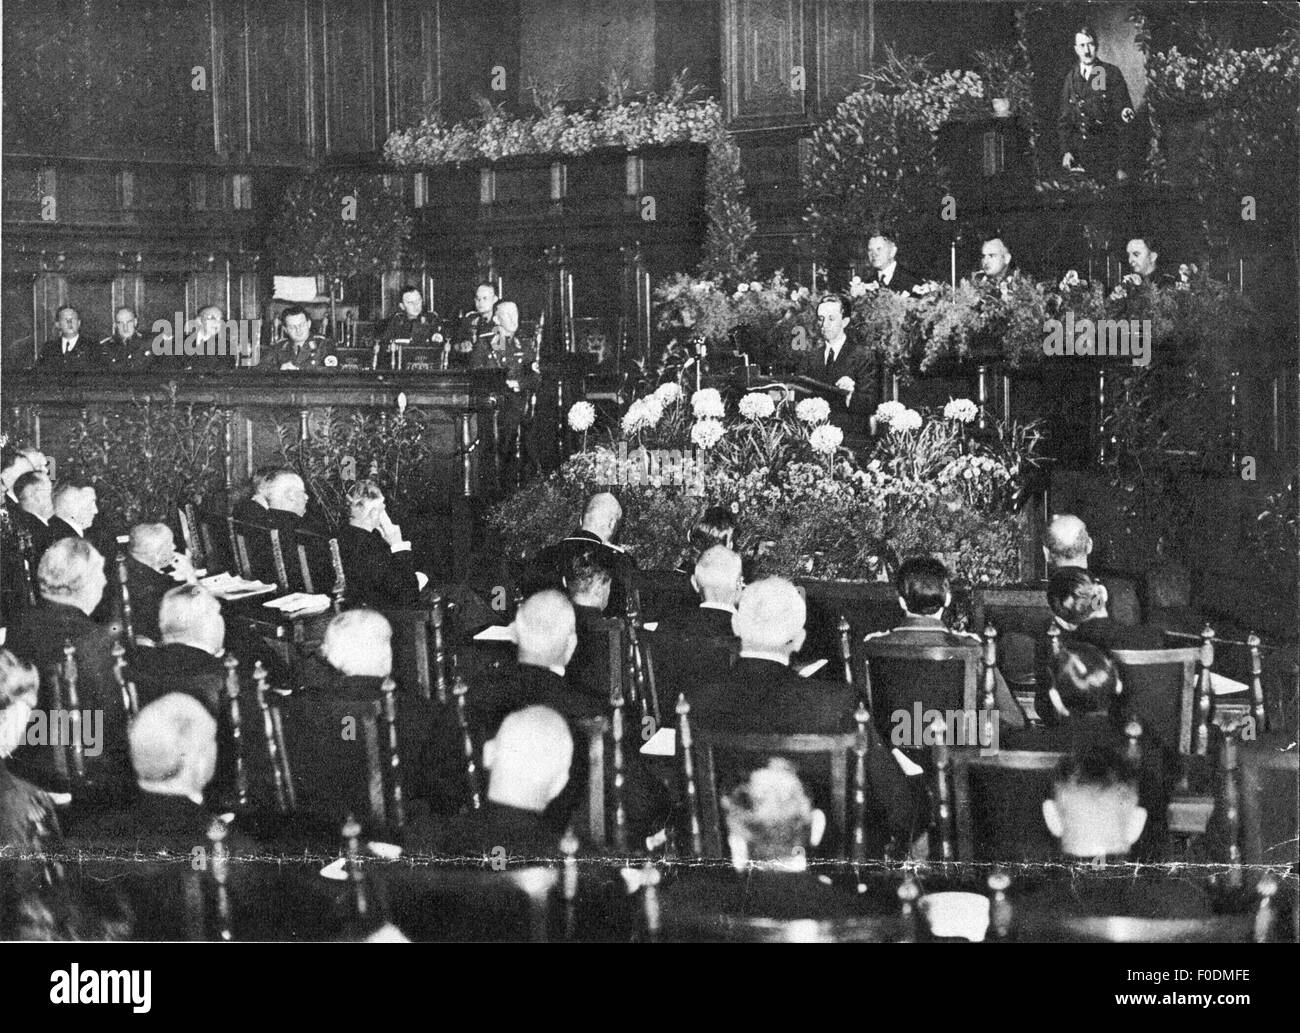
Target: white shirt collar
[
  {"x": 74, "y": 525},
  {"x": 887, "y": 274},
  {"x": 835, "y": 347},
  {"x": 762, "y": 654}
]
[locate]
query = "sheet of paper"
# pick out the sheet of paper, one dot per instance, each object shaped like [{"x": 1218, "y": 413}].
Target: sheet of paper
[
  {"x": 651, "y": 625},
  {"x": 909, "y": 768},
  {"x": 496, "y": 633},
  {"x": 808, "y": 670},
  {"x": 1221, "y": 686},
  {"x": 662, "y": 744}
]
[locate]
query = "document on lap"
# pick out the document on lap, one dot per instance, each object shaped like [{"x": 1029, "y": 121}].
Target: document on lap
[
  {"x": 495, "y": 633},
  {"x": 662, "y": 744}
]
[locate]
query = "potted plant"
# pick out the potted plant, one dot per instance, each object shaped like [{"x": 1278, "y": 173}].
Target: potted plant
[{"x": 1005, "y": 79}]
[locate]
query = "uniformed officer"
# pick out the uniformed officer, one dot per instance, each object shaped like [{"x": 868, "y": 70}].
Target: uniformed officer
[
  {"x": 300, "y": 349},
  {"x": 126, "y": 346},
  {"x": 411, "y": 327},
  {"x": 478, "y": 330}
]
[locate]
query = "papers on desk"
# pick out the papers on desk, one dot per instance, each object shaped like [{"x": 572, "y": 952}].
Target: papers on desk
[
  {"x": 651, "y": 625},
  {"x": 662, "y": 744},
  {"x": 230, "y": 586},
  {"x": 299, "y": 604},
  {"x": 1221, "y": 686},
  {"x": 496, "y": 633},
  {"x": 808, "y": 670},
  {"x": 910, "y": 768}
]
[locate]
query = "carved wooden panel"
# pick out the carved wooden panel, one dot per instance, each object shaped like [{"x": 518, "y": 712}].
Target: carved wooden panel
[
  {"x": 413, "y": 38},
  {"x": 349, "y": 77},
  {"x": 763, "y": 48},
  {"x": 281, "y": 74},
  {"x": 842, "y": 49}
]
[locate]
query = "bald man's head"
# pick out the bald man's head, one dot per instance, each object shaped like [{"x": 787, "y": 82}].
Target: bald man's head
[
  {"x": 174, "y": 746},
  {"x": 1066, "y": 541},
  {"x": 154, "y": 545},
  {"x": 602, "y": 516},
  {"x": 190, "y": 615},
  {"x": 546, "y": 630},
  {"x": 359, "y": 643},
  {"x": 770, "y": 617},
  {"x": 718, "y": 576},
  {"x": 529, "y": 759}
]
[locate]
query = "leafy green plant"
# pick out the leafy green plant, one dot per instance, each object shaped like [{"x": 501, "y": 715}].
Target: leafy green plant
[{"x": 148, "y": 458}]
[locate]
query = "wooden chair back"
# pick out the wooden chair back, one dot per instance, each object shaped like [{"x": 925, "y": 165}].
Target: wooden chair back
[
  {"x": 473, "y": 783},
  {"x": 421, "y": 662},
  {"x": 61, "y": 689},
  {"x": 674, "y": 664},
  {"x": 123, "y": 599},
  {"x": 259, "y": 553},
  {"x": 1163, "y": 688},
  {"x": 997, "y": 805},
  {"x": 899, "y": 675},
  {"x": 868, "y": 607},
  {"x": 753, "y": 749},
  {"x": 319, "y": 568},
  {"x": 1021, "y": 617}
]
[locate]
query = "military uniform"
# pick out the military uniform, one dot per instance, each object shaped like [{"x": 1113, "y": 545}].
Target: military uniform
[
  {"x": 315, "y": 353},
  {"x": 133, "y": 352},
  {"x": 474, "y": 339},
  {"x": 420, "y": 332}
]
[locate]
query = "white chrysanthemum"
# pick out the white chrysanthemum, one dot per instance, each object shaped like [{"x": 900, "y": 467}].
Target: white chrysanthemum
[
  {"x": 961, "y": 409},
  {"x": 706, "y": 403},
  {"x": 886, "y": 412},
  {"x": 826, "y": 438},
  {"x": 908, "y": 419},
  {"x": 707, "y": 432},
  {"x": 635, "y": 418},
  {"x": 857, "y": 287},
  {"x": 754, "y": 285},
  {"x": 654, "y": 409},
  {"x": 668, "y": 393},
  {"x": 757, "y": 406},
  {"x": 741, "y": 288},
  {"x": 581, "y": 416},
  {"x": 813, "y": 410}
]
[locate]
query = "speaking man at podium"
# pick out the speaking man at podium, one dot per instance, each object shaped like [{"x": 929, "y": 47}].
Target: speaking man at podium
[{"x": 843, "y": 369}]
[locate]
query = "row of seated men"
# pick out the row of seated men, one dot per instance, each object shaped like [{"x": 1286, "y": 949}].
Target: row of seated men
[
  {"x": 485, "y": 338},
  {"x": 355, "y": 658}
]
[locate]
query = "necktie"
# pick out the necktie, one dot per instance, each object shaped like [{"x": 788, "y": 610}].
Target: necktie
[{"x": 829, "y": 357}]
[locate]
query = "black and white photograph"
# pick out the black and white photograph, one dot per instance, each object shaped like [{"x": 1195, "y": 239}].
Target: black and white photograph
[{"x": 650, "y": 472}]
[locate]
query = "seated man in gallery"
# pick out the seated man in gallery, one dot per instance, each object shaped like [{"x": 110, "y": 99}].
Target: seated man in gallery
[
  {"x": 188, "y": 658},
  {"x": 151, "y": 557},
  {"x": 300, "y": 349},
  {"x": 762, "y": 693}
]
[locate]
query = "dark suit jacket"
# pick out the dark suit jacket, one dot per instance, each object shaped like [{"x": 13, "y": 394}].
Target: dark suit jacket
[
  {"x": 175, "y": 667},
  {"x": 548, "y": 567},
  {"x": 37, "y": 529},
  {"x": 147, "y": 588},
  {"x": 1106, "y": 633},
  {"x": 588, "y": 669},
  {"x": 765, "y": 696},
  {"x": 249, "y": 512},
  {"x": 646, "y": 800},
  {"x": 38, "y": 637},
  {"x": 902, "y": 282},
  {"x": 376, "y": 575},
  {"x": 260, "y": 558},
  {"x": 1087, "y": 115},
  {"x": 697, "y": 620},
  {"x": 83, "y": 356},
  {"x": 853, "y": 361},
  {"x": 60, "y": 529}
]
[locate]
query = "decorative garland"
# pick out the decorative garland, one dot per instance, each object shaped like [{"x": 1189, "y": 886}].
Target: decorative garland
[{"x": 630, "y": 124}]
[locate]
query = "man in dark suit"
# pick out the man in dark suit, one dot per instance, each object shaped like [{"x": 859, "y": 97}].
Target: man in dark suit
[
  {"x": 13, "y": 465},
  {"x": 587, "y": 583},
  {"x": 72, "y": 582},
  {"x": 843, "y": 363},
  {"x": 71, "y": 349},
  {"x": 718, "y": 578},
  {"x": 35, "y": 495},
  {"x": 1066, "y": 543},
  {"x": 763, "y": 694},
  {"x": 771, "y": 826},
  {"x": 924, "y": 593},
  {"x": 377, "y": 562},
  {"x": 600, "y": 522},
  {"x": 882, "y": 253},
  {"x": 1095, "y": 813},
  {"x": 75, "y": 508},
  {"x": 286, "y": 505},
  {"x": 252, "y": 510},
  {"x": 191, "y": 636},
  {"x": 151, "y": 552},
  {"x": 1094, "y": 113},
  {"x": 546, "y": 637}
]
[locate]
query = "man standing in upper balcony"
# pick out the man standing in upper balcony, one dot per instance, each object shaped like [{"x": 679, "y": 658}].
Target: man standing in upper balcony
[
  {"x": 126, "y": 346},
  {"x": 1095, "y": 109}
]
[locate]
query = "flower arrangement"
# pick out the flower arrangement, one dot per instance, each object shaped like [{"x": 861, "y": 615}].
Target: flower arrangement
[
  {"x": 629, "y": 123},
  {"x": 311, "y": 232},
  {"x": 805, "y": 506}
]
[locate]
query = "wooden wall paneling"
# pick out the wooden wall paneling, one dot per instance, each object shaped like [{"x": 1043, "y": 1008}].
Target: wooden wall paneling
[
  {"x": 475, "y": 39},
  {"x": 686, "y": 36},
  {"x": 281, "y": 70},
  {"x": 578, "y": 42},
  {"x": 49, "y": 291},
  {"x": 17, "y": 307},
  {"x": 842, "y": 49},
  {"x": 352, "y": 124},
  {"x": 763, "y": 45},
  {"x": 164, "y": 296},
  {"x": 208, "y": 286},
  {"x": 229, "y": 77},
  {"x": 411, "y": 36}
]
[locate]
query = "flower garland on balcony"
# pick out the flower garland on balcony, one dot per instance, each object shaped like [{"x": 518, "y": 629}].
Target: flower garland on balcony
[{"x": 618, "y": 120}]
